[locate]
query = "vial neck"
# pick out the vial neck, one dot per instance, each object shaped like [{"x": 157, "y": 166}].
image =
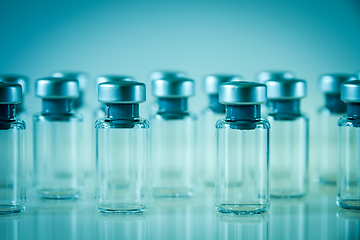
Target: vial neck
[
  {"x": 56, "y": 105},
  {"x": 7, "y": 111},
  {"x": 334, "y": 103},
  {"x": 172, "y": 104},
  {"x": 243, "y": 111},
  {"x": 285, "y": 106},
  {"x": 215, "y": 105},
  {"x": 353, "y": 109},
  {"x": 121, "y": 111}
]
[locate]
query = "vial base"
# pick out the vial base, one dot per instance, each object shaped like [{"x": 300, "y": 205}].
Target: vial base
[
  {"x": 173, "y": 192},
  {"x": 59, "y": 193},
  {"x": 122, "y": 208},
  {"x": 11, "y": 209},
  {"x": 328, "y": 179},
  {"x": 353, "y": 204},
  {"x": 287, "y": 194},
  {"x": 242, "y": 209}
]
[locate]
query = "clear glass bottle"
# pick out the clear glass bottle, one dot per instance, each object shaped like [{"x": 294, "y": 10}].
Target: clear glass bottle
[
  {"x": 58, "y": 170},
  {"x": 173, "y": 139},
  {"x": 122, "y": 165},
  {"x": 289, "y": 170},
  {"x": 12, "y": 149},
  {"x": 208, "y": 119},
  {"x": 329, "y": 115},
  {"x": 24, "y": 113},
  {"x": 242, "y": 173},
  {"x": 348, "y": 183}
]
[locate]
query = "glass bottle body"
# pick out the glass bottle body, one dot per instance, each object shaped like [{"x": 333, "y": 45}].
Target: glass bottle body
[
  {"x": 242, "y": 180},
  {"x": 12, "y": 166},
  {"x": 289, "y": 155},
  {"x": 58, "y": 173},
  {"x": 173, "y": 149},
  {"x": 349, "y": 165},
  {"x": 122, "y": 165}
]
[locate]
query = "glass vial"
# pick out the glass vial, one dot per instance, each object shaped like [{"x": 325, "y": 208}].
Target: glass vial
[
  {"x": 12, "y": 157},
  {"x": 348, "y": 183},
  {"x": 208, "y": 119},
  {"x": 173, "y": 139},
  {"x": 289, "y": 139},
  {"x": 122, "y": 164},
  {"x": 58, "y": 170},
  {"x": 328, "y": 116},
  {"x": 242, "y": 173}
]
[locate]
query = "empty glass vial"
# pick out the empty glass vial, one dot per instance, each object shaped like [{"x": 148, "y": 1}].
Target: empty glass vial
[
  {"x": 348, "y": 183},
  {"x": 328, "y": 116},
  {"x": 100, "y": 111},
  {"x": 208, "y": 119},
  {"x": 289, "y": 139},
  {"x": 12, "y": 155},
  {"x": 58, "y": 172},
  {"x": 242, "y": 173},
  {"x": 122, "y": 166},
  {"x": 173, "y": 139}
]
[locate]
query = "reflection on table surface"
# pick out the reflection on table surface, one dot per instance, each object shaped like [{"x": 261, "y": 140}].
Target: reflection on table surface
[{"x": 313, "y": 217}]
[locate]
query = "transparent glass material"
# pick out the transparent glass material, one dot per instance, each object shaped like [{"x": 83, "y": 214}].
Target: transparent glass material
[
  {"x": 173, "y": 149},
  {"x": 349, "y": 165},
  {"x": 289, "y": 155},
  {"x": 208, "y": 119},
  {"x": 122, "y": 165},
  {"x": 58, "y": 170},
  {"x": 242, "y": 174},
  {"x": 328, "y": 135},
  {"x": 12, "y": 166}
]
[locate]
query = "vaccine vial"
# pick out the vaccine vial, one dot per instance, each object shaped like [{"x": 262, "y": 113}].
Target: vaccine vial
[
  {"x": 100, "y": 110},
  {"x": 289, "y": 139},
  {"x": 24, "y": 113},
  {"x": 58, "y": 170},
  {"x": 122, "y": 166},
  {"x": 12, "y": 149},
  {"x": 328, "y": 116},
  {"x": 173, "y": 139},
  {"x": 242, "y": 173},
  {"x": 208, "y": 119},
  {"x": 348, "y": 183}
]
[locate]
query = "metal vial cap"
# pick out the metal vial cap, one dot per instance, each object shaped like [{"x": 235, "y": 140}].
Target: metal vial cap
[
  {"x": 331, "y": 83},
  {"x": 56, "y": 88},
  {"x": 350, "y": 91},
  {"x": 15, "y": 78},
  {"x": 111, "y": 78},
  {"x": 122, "y": 92},
  {"x": 286, "y": 89},
  {"x": 155, "y": 75},
  {"x": 10, "y": 93},
  {"x": 173, "y": 87},
  {"x": 264, "y": 76},
  {"x": 82, "y": 77},
  {"x": 212, "y": 82},
  {"x": 242, "y": 93}
]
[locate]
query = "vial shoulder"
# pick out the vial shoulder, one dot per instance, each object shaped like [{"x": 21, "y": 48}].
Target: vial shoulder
[
  {"x": 58, "y": 117},
  {"x": 262, "y": 123},
  {"x": 173, "y": 116},
  {"x": 16, "y": 123},
  {"x": 136, "y": 123},
  {"x": 299, "y": 116},
  {"x": 349, "y": 121}
]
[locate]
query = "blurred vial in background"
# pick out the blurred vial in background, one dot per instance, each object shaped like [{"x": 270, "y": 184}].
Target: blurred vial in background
[
  {"x": 58, "y": 170},
  {"x": 242, "y": 173},
  {"x": 100, "y": 110},
  {"x": 289, "y": 139},
  {"x": 348, "y": 183},
  {"x": 163, "y": 74},
  {"x": 208, "y": 119},
  {"x": 122, "y": 142},
  {"x": 12, "y": 155},
  {"x": 82, "y": 107},
  {"x": 328, "y": 116},
  {"x": 264, "y": 76},
  {"x": 173, "y": 139},
  {"x": 25, "y": 114}
]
